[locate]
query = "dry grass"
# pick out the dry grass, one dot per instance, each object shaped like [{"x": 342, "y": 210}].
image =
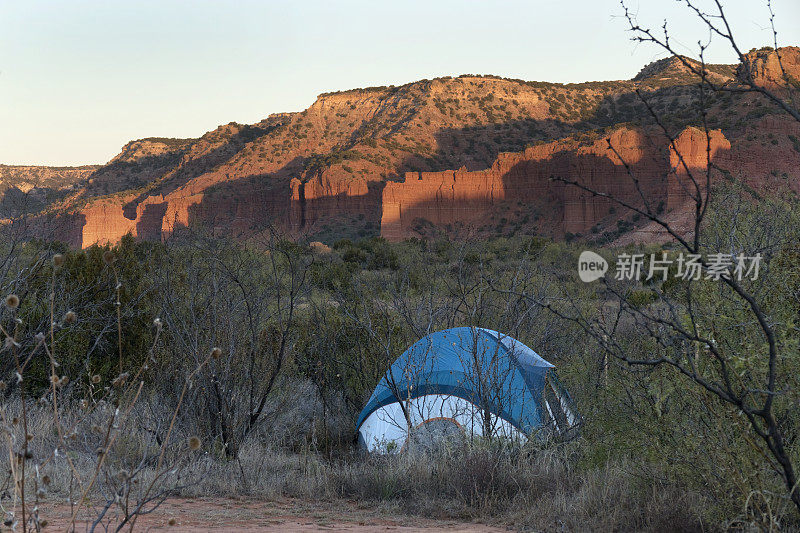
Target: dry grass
[{"x": 538, "y": 489}]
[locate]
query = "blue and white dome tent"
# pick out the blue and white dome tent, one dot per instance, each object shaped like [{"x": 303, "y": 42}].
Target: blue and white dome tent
[{"x": 475, "y": 380}]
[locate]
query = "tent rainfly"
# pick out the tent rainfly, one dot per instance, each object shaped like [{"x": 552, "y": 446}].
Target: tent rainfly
[{"x": 465, "y": 380}]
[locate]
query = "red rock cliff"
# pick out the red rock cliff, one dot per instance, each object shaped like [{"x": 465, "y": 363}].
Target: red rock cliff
[
  {"x": 538, "y": 177},
  {"x": 770, "y": 68}
]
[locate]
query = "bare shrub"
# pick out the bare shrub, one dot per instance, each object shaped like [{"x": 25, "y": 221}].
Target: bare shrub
[{"x": 85, "y": 450}]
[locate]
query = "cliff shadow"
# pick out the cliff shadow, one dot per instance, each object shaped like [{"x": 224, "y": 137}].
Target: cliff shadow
[
  {"x": 50, "y": 227},
  {"x": 476, "y": 147},
  {"x": 529, "y": 195},
  {"x": 242, "y": 206},
  {"x": 119, "y": 176},
  {"x": 196, "y": 167}
]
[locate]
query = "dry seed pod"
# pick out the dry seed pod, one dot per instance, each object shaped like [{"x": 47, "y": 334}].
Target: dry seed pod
[{"x": 12, "y": 301}]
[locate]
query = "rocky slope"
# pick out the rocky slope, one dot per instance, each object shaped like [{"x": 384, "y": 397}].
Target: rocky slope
[
  {"x": 26, "y": 189},
  {"x": 383, "y": 160},
  {"x": 772, "y": 69}
]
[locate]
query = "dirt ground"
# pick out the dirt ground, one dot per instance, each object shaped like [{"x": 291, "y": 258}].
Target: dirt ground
[{"x": 247, "y": 515}]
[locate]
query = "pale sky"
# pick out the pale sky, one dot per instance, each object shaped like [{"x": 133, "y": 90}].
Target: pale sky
[{"x": 80, "y": 78}]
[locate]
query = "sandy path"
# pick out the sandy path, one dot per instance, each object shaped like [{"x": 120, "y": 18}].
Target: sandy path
[{"x": 248, "y": 515}]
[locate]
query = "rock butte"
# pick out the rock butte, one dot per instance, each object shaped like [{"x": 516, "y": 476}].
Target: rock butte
[{"x": 476, "y": 155}]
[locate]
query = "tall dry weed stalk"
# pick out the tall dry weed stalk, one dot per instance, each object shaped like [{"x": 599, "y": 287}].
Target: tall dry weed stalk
[{"x": 82, "y": 446}]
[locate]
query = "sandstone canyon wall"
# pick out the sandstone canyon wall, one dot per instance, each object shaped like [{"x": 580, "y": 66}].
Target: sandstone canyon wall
[
  {"x": 543, "y": 176},
  {"x": 479, "y": 154}
]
